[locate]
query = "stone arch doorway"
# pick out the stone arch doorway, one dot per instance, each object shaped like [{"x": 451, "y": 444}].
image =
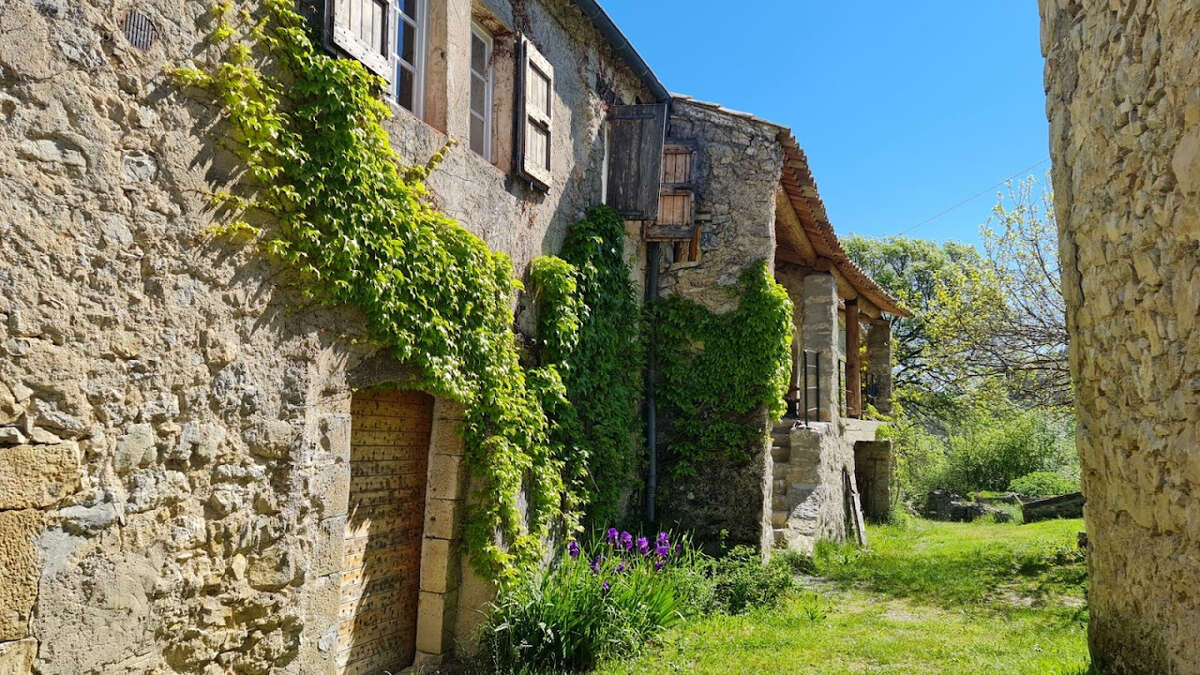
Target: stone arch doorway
[{"x": 381, "y": 562}]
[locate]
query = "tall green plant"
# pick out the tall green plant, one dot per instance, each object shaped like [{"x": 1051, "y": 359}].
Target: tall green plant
[
  {"x": 720, "y": 371},
  {"x": 602, "y": 371}
]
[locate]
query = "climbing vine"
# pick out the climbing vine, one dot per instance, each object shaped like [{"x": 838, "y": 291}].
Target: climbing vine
[
  {"x": 590, "y": 323},
  {"x": 359, "y": 229},
  {"x": 719, "y": 371}
]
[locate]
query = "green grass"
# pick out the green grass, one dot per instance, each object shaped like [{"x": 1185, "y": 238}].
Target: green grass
[{"x": 927, "y": 597}]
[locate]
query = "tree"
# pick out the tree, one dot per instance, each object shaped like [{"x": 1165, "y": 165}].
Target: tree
[
  {"x": 1006, "y": 318},
  {"x": 911, "y": 270}
]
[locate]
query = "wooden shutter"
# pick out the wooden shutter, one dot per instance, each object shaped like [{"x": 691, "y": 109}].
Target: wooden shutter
[
  {"x": 536, "y": 107},
  {"x": 635, "y": 159},
  {"x": 676, "y": 219},
  {"x": 364, "y": 30}
]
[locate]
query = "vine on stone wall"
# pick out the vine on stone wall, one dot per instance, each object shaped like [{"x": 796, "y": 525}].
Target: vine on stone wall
[
  {"x": 359, "y": 229},
  {"x": 590, "y": 324},
  {"x": 720, "y": 371}
]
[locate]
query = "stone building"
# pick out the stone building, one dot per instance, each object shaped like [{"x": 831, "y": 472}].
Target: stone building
[
  {"x": 191, "y": 455},
  {"x": 755, "y": 199},
  {"x": 200, "y": 471},
  {"x": 1123, "y": 99}
]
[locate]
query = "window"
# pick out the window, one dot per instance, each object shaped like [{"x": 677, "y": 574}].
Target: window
[
  {"x": 410, "y": 54},
  {"x": 481, "y": 92},
  {"x": 675, "y": 208},
  {"x": 537, "y": 105}
]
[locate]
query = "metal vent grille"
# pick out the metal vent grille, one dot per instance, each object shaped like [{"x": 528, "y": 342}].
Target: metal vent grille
[{"x": 139, "y": 30}]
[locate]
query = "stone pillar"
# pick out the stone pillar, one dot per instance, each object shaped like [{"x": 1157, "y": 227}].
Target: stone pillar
[
  {"x": 854, "y": 405},
  {"x": 821, "y": 336},
  {"x": 879, "y": 363},
  {"x": 1122, "y": 98}
]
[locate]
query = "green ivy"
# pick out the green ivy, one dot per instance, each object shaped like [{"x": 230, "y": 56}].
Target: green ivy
[
  {"x": 720, "y": 371},
  {"x": 358, "y": 228},
  {"x": 590, "y": 325}
]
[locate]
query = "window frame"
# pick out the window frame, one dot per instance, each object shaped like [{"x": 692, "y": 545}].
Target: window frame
[
  {"x": 489, "y": 78},
  {"x": 538, "y": 174},
  {"x": 420, "y": 25}
]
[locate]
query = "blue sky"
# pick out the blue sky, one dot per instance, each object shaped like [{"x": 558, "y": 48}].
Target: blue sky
[{"x": 904, "y": 108}]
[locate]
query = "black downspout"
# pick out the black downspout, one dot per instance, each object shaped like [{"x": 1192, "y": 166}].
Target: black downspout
[{"x": 651, "y": 367}]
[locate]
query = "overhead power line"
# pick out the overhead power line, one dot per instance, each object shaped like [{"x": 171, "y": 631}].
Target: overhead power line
[{"x": 973, "y": 197}]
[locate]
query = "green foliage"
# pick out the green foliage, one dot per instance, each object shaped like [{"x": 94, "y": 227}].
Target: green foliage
[
  {"x": 1043, "y": 484},
  {"x": 913, "y": 271},
  {"x": 993, "y": 447},
  {"x": 719, "y": 371},
  {"x": 358, "y": 229},
  {"x": 566, "y": 619},
  {"x": 741, "y": 581},
  {"x": 590, "y": 288}
]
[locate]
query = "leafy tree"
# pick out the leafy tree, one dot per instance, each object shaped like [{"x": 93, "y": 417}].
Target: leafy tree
[
  {"x": 1006, "y": 318},
  {"x": 913, "y": 270}
]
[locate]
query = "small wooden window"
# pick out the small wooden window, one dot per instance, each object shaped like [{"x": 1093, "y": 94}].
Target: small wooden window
[
  {"x": 481, "y": 92},
  {"x": 537, "y": 105},
  {"x": 388, "y": 38}
]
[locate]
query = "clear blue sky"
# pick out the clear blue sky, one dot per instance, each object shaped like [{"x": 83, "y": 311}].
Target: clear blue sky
[{"x": 904, "y": 108}]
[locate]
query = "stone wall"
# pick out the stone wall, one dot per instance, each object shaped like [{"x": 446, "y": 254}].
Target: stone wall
[
  {"x": 737, "y": 167},
  {"x": 174, "y": 419},
  {"x": 1123, "y": 99}
]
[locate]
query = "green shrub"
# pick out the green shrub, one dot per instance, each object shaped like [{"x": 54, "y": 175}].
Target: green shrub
[
  {"x": 741, "y": 581},
  {"x": 1043, "y": 484}
]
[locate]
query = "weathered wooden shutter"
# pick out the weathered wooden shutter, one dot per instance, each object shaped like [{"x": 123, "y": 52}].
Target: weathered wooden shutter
[
  {"x": 536, "y": 106},
  {"x": 635, "y": 159},
  {"x": 363, "y": 29},
  {"x": 676, "y": 219}
]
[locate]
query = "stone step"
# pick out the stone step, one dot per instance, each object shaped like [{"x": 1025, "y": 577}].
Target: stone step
[
  {"x": 781, "y": 453},
  {"x": 781, "y": 437},
  {"x": 779, "y": 501},
  {"x": 783, "y": 425},
  {"x": 779, "y": 518},
  {"x": 780, "y": 537},
  {"x": 780, "y": 485}
]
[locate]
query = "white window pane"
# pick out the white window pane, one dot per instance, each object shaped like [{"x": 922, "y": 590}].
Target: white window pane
[
  {"x": 409, "y": 7},
  {"x": 406, "y": 42},
  {"x": 404, "y": 87},
  {"x": 478, "y": 135},
  {"x": 478, "y": 54},
  {"x": 478, "y": 94}
]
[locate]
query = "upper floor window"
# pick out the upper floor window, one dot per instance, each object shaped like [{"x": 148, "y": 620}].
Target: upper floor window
[
  {"x": 537, "y": 105},
  {"x": 410, "y": 53},
  {"x": 481, "y": 92},
  {"x": 388, "y": 38}
]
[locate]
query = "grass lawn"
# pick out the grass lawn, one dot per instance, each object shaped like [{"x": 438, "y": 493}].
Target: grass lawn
[{"x": 927, "y": 598}]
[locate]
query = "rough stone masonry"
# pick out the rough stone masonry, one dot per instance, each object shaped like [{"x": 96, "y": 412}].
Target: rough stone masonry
[{"x": 1123, "y": 98}]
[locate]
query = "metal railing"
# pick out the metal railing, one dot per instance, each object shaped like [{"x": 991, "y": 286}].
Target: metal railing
[
  {"x": 871, "y": 389},
  {"x": 841, "y": 387},
  {"x": 804, "y": 401}
]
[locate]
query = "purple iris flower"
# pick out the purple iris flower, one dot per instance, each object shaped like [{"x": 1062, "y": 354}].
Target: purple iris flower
[
  {"x": 643, "y": 545},
  {"x": 604, "y": 588},
  {"x": 573, "y": 549},
  {"x": 595, "y": 565},
  {"x": 620, "y": 567},
  {"x": 612, "y": 535},
  {"x": 662, "y": 539},
  {"x": 679, "y": 547},
  {"x": 662, "y": 550},
  {"x": 658, "y": 565},
  {"x": 627, "y": 540}
]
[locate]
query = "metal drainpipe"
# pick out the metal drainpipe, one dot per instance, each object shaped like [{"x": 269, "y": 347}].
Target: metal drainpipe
[{"x": 651, "y": 426}]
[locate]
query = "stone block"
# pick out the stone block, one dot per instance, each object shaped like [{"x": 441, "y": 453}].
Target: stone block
[
  {"x": 433, "y": 613},
  {"x": 16, "y": 658},
  {"x": 439, "y": 565},
  {"x": 445, "y": 477},
  {"x": 38, "y": 476},
  {"x": 134, "y": 448},
  {"x": 20, "y": 567},
  {"x": 443, "y": 519}
]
